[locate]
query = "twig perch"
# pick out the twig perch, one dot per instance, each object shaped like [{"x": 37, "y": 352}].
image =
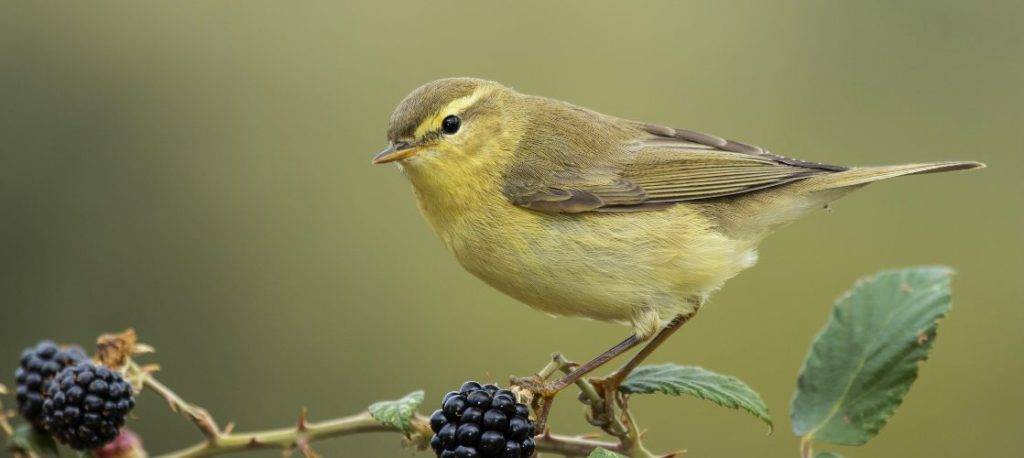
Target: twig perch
[
  {"x": 304, "y": 433},
  {"x": 117, "y": 351}
]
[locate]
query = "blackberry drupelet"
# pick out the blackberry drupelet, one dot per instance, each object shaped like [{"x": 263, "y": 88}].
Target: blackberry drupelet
[
  {"x": 39, "y": 364},
  {"x": 86, "y": 405},
  {"x": 482, "y": 421}
]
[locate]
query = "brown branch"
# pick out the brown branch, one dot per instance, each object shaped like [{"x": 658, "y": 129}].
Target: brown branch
[
  {"x": 300, "y": 438},
  {"x": 573, "y": 445},
  {"x": 304, "y": 433},
  {"x": 5, "y": 425},
  {"x": 197, "y": 415},
  {"x": 598, "y": 414},
  {"x": 600, "y": 398},
  {"x": 601, "y": 412},
  {"x": 287, "y": 438}
]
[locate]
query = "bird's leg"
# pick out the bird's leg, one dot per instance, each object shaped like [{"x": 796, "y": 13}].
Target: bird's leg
[
  {"x": 540, "y": 387},
  {"x": 590, "y": 366},
  {"x": 610, "y": 385},
  {"x": 545, "y": 391}
]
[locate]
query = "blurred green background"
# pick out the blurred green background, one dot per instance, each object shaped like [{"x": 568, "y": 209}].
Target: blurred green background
[{"x": 200, "y": 171}]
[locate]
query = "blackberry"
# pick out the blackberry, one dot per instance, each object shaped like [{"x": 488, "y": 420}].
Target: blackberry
[
  {"x": 482, "y": 421},
  {"x": 39, "y": 364},
  {"x": 86, "y": 405}
]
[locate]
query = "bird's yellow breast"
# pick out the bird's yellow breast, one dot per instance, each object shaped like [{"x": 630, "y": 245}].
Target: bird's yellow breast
[{"x": 621, "y": 267}]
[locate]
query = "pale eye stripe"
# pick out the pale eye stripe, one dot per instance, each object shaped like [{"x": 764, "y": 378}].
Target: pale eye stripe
[{"x": 432, "y": 123}]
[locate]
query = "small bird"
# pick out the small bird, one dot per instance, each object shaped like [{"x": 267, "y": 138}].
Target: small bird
[{"x": 577, "y": 213}]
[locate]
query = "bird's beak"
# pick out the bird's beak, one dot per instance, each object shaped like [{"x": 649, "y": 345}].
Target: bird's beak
[{"x": 395, "y": 152}]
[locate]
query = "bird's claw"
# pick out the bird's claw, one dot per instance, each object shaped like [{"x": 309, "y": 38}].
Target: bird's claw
[
  {"x": 539, "y": 394},
  {"x": 537, "y": 387}
]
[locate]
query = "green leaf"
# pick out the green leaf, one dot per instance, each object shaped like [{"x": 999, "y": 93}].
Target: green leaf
[
  {"x": 865, "y": 359},
  {"x": 827, "y": 455},
  {"x": 675, "y": 380},
  {"x": 27, "y": 438},
  {"x": 397, "y": 413},
  {"x": 602, "y": 453}
]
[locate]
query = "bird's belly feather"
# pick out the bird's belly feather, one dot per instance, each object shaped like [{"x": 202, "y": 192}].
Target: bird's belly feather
[{"x": 602, "y": 266}]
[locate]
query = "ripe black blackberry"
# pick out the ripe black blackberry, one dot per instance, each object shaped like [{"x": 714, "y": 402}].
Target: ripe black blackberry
[
  {"x": 86, "y": 405},
  {"x": 482, "y": 421},
  {"x": 39, "y": 364}
]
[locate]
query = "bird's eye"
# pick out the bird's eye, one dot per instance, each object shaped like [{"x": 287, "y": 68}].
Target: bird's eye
[{"x": 450, "y": 124}]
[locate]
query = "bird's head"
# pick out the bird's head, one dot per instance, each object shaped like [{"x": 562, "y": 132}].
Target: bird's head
[{"x": 452, "y": 125}]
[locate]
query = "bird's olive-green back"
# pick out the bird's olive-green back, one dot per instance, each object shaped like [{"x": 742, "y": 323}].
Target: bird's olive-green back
[{"x": 572, "y": 160}]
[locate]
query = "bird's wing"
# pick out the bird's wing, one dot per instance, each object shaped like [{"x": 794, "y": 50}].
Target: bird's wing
[{"x": 661, "y": 167}]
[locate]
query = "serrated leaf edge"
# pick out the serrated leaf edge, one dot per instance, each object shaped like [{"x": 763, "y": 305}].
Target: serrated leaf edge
[
  {"x": 757, "y": 400},
  {"x": 947, "y": 273}
]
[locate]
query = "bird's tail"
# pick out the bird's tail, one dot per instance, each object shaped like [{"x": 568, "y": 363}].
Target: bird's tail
[
  {"x": 797, "y": 199},
  {"x": 859, "y": 176}
]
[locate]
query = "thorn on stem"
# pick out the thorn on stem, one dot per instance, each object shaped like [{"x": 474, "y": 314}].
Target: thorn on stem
[{"x": 303, "y": 424}]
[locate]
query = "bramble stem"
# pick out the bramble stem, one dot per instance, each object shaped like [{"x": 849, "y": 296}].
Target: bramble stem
[
  {"x": 624, "y": 428},
  {"x": 219, "y": 442},
  {"x": 573, "y": 445},
  {"x": 586, "y": 387},
  {"x": 806, "y": 447},
  {"x": 199, "y": 416},
  {"x": 289, "y": 438},
  {"x": 5, "y": 425}
]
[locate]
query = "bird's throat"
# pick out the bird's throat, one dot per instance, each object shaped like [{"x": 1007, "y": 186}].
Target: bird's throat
[{"x": 454, "y": 199}]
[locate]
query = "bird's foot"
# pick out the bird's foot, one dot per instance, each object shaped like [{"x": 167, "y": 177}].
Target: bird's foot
[
  {"x": 602, "y": 411},
  {"x": 609, "y": 385},
  {"x": 534, "y": 387},
  {"x": 537, "y": 391}
]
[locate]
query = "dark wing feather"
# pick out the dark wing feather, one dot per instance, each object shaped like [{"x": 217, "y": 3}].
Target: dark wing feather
[
  {"x": 661, "y": 167},
  {"x": 670, "y": 136}
]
